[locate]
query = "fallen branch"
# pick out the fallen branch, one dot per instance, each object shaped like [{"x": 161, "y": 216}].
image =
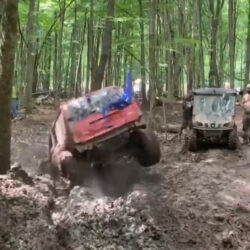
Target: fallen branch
[{"x": 173, "y": 128}]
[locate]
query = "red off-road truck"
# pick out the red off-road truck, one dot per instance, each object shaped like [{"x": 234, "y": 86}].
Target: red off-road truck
[{"x": 86, "y": 131}]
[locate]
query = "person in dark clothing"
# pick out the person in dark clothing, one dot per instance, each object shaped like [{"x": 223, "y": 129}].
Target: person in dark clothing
[
  {"x": 245, "y": 104},
  {"x": 187, "y": 107}
]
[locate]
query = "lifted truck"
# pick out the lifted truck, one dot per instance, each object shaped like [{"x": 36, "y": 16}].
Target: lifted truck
[{"x": 86, "y": 129}]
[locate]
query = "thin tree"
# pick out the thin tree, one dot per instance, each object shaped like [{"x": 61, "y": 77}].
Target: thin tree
[
  {"x": 30, "y": 56},
  {"x": 201, "y": 53},
  {"x": 152, "y": 59},
  {"x": 247, "y": 71},
  {"x": 106, "y": 46},
  {"x": 10, "y": 17},
  {"x": 215, "y": 10},
  {"x": 91, "y": 41},
  {"x": 59, "y": 65},
  {"x": 232, "y": 38},
  {"x": 1, "y": 14},
  {"x": 143, "y": 60}
]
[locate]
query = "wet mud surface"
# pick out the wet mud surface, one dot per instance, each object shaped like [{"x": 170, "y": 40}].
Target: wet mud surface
[{"x": 188, "y": 201}]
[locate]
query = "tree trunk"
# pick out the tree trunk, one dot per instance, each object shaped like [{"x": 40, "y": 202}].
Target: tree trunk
[
  {"x": 60, "y": 51},
  {"x": 1, "y": 15},
  {"x": 232, "y": 31},
  {"x": 223, "y": 43},
  {"x": 36, "y": 49},
  {"x": 117, "y": 57},
  {"x": 106, "y": 46},
  {"x": 55, "y": 75},
  {"x": 89, "y": 55},
  {"x": 247, "y": 71},
  {"x": 10, "y": 17},
  {"x": 91, "y": 42},
  {"x": 214, "y": 12},
  {"x": 109, "y": 75},
  {"x": 73, "y": 60},
  {"x": 170, "y": 56},
  {"x": 47, "y": 66},
  {"x": 1, "y": 9},
  {"x": 79, "y": 64},
  {"x": 66, "y": 88},
  {"x": 143, "y": 63},
  {"x": 23, "y": 62},
  {"x": 178, "y": 57},
  {"x": 190, "y": 73},
  {"x": 213, "y": 73},
  {"x": 152, "y": 59},
  {"x": 30, "y": 56},
  {"x": 201, "y": 53}
]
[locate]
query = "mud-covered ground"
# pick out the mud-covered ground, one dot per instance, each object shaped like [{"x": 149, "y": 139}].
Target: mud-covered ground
[{"x": 188, "y": 201}]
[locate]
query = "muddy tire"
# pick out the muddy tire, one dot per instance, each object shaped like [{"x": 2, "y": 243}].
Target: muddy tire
[
  {"x": 233, "y": 140},
  {"x": 72, "y": 171},
  {"x": 148, "y": 151},
  {"x": 192, "y": 140}
]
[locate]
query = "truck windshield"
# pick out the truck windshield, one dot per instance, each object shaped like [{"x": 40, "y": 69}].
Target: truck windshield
[
  {"x": 215, "y": 105},
  {"x": 95, "y": 103}
]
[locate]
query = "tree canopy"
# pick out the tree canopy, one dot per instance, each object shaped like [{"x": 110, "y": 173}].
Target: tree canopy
[{"x": 194, "y": 41}]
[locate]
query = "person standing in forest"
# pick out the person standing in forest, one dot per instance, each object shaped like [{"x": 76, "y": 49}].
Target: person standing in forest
[
  {"x": 187, "y": 107},
  {"x": 245, "y": 104}
]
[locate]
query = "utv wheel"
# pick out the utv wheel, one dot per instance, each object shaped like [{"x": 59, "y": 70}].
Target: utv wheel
[
  {"x": 148, "y": 150},
  {"x": 192, "y": 141},
  {"x": 233, "y": 140}
]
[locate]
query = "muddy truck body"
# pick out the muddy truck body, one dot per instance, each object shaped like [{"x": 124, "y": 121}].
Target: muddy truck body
[{"x": 89, "y": 129}]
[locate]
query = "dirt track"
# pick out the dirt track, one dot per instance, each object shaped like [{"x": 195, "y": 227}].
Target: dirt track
[{"x": 188, "y": 201}]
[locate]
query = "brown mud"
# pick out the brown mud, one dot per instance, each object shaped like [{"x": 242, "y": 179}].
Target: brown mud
[{"x": 189, "y": 201}]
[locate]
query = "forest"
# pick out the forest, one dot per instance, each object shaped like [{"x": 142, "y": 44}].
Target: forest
[
  {"x": 67, "y": 46},
  {"x": 89, "y": 160}
]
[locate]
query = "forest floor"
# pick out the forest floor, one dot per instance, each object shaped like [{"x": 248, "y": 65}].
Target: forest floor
[{"x": 189, "y": 201}]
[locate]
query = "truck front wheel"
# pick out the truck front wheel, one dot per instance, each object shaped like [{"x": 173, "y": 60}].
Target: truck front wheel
[{"x": 148, "y": 150}]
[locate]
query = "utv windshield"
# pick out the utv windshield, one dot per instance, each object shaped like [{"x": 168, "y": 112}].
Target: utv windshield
[
  {"x": 95, "y": 103},
  {"x": 219, "y": 105}
]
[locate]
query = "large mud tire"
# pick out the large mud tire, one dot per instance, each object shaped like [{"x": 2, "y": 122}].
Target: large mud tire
[
  {"x": 233, "y": 140},
  {"x": 192, "y": 141},
  {"x": 72, "y": 171},
  {"x": 148, "y": 151}
]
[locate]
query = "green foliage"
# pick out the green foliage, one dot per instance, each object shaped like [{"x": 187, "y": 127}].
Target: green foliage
[{"x": 126, "y": 42}]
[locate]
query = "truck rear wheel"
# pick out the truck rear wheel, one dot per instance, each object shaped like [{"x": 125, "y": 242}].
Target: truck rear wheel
[
  {"x": 192, "y": 140},
  {"x": 233, "y": 140},
  {"x": 148, "y": 150}
]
